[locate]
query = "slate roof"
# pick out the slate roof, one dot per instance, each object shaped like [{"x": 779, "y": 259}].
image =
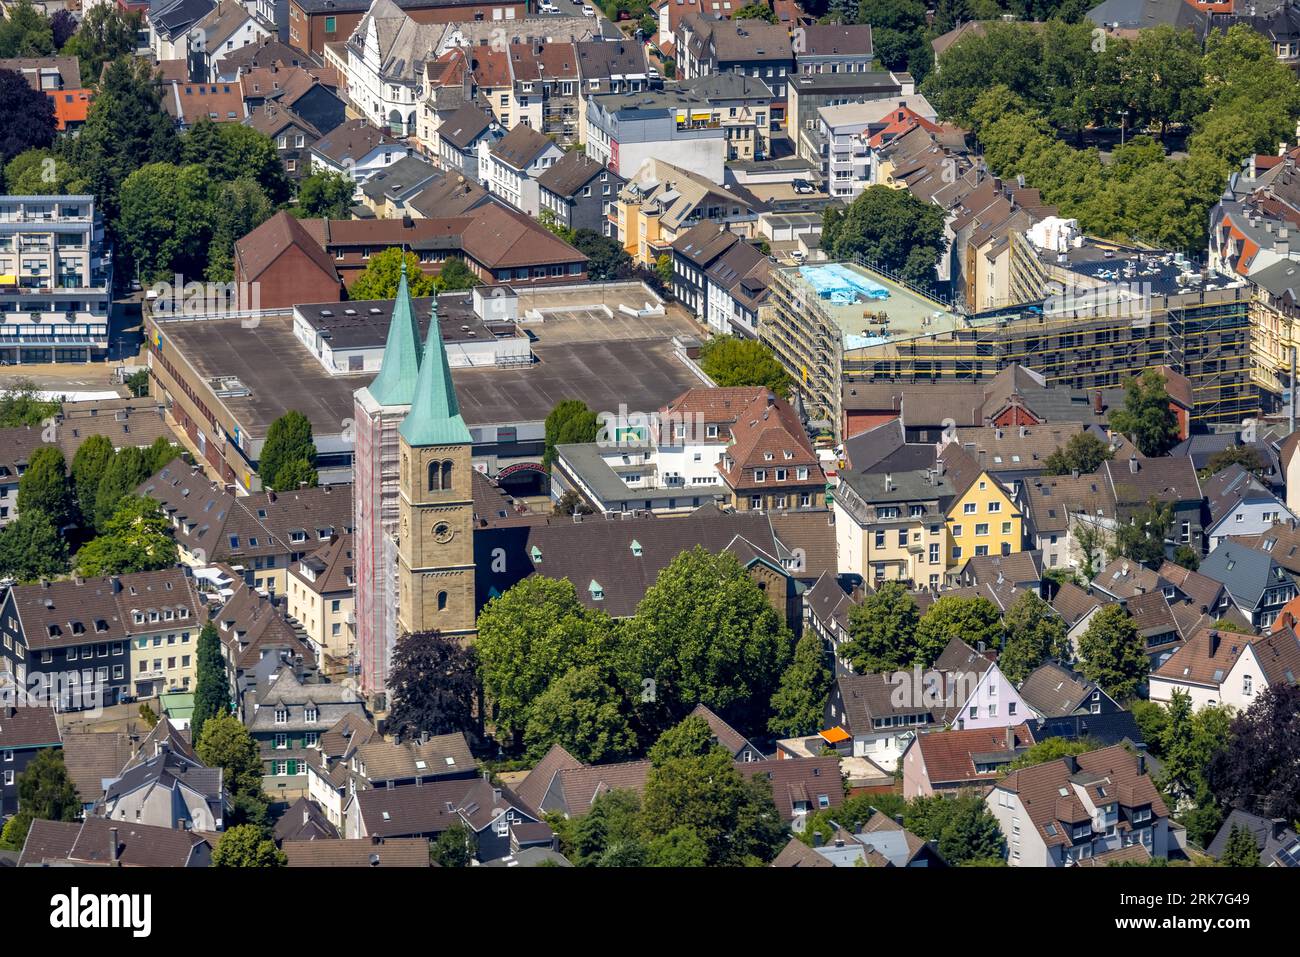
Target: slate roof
[
  {"x": 1278, "y": 842},
  {"x": 304, "y": 821},
  {"x": 27, "y": 727},
  {"x": 1245, "y": 572},
  {"x": 1053, "y": 690},
  {"x": 89, "y": 843},
  {"x": 532, "y": 789},
  {"x": 464, "y": 126},
  {"x": 799, "y": 781}
]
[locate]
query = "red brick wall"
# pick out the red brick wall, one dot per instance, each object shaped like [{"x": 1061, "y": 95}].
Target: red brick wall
[{"x": 294, "y": 278}]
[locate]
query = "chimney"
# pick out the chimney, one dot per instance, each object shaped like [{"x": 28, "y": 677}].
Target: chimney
[
  {"x": 1142, "y": 764},
  {"x": 1097, "y": 404},
  {"x": 1074, "y": 473},
  {"x": 898, "y": 819},
  {"x": 1011, "y": 738},
  {"x": 1276, "y": 826},
  {"x": 818, "y": 839},
  {"x": 1215, "y": 640},
  {"x": 1133, "y": 464},
  {"x": 114, "y": 849}
]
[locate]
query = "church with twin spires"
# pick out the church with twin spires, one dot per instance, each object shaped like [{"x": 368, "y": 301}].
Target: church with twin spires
[{"x": 413, "y": 501}]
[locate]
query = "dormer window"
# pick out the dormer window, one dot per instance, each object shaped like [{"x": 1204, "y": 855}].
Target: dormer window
[
  {"x": 281, "y": 715},
  {"x": 596, "y": 590},
  {"x": 311, "y": 715}
]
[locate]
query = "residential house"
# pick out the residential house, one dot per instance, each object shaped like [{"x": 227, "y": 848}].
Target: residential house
[
  {"x": 187, "y": 103},
  {"x": 386, "y": 56},
  {"x": 1279, "y": 845},
  {"x": 322, "y": 597},
  {"x": 287, "y": 719},
  {"x": 725, "y": 736},
  {"x": 288, "y": 264},
  {"x": 98, "y": 842},
  {"x": 827, "y": 605},
  {"x": 1256, "y": 583},
  {"x": 544, "y": 88},
  {"x": 751, "y": 47},
  {"x": 608, "y": 66},
  {"x": 1052, "y": 690},
  {"x": 303, "y": 821},
  {"x": 625, "y": 131},
  {"x": 1227, "y": 668},
  {"x": 961, "y": 761},
  {"x": 1069, "y": 810},
  {"x": 661, "y": 202},
  {"x": 462, "y": 140},
  {"x": 1059, "y": 508},
  {"x": 170, "y": 24},
  {"x": 580, "y": 193},
  {"x": 800, "y": 786},
  {"x": 256, "y": 642},
  {"x": 740, "y": 105},
  {"x": 1076, "y": 607},
  {"x": 170, "y": 790},
  {"x": 333, "y": 773},
  {"x": 403, "y": 812},
  {"x": 358, "y": 852},
  {"x": 1135, "y": 483},
  {"x": 558, "y": 784},
  {"x": 514, "y": 164},
  {"x": 892, "y": 526},
  {"x": 1240, "y": 504},
  {"x": 833, "y": 48},
  {"x": 737, "y": 290},
  {"x": 227, "y": 27},
  {"x": 293, "y": 137},
  {"x": 357, "y": 150},
  {"x": 82, "y": 642},
  {"x": 25, "y": 731},
  {"x": 983, "y": 518},
  {"x": 389, "y": 190}
]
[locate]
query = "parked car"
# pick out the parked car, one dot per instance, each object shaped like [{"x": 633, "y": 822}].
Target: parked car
[
  {"x": 802, "y": 186},
  {"x": 588, "y": 10}
]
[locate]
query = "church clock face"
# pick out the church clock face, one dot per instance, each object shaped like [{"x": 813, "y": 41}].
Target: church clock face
[{"x": 443, "y": 533}]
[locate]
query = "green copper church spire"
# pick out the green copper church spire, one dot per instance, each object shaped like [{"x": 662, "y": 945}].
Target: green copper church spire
[
  {"x": 395, "y": 384},
  {"x": 434, "y": 418}
]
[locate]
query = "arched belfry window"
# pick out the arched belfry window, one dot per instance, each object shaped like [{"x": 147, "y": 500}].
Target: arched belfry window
[
  {"x": 446, "y": 475},
  {"x": 435, "y": 476}
]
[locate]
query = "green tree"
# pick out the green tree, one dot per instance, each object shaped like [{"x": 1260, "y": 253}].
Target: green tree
[
  {"x": 226, "y": 744},
  {"x": 1187, "y": 557},
  {"x": 1113, "y": 654},
  {"x": 528, "y": 636},
  {"x": 125, "y": 128},
  {"x": 569, "y": 504},
  {"x": 454, "y": 847},
  {"x": 455, "y": 275},
  {"x": 610, "y": 832},
  {"x": 706, "y": 633},
  {"x": 212, "y": 685},
  {"x": 433, "y": 684},
  {"x": 799, "y": 702},
  {"x": 891, "y": 229},
  {"x": 1142, "y": 537},
  {"x": 1241, "y": 849},
  {"x": 25, "y": 32},
  {"x": 1084, "y": 452},
  {"x": 246, "y": 845},
  {"x": 570, "y": 422},
  {"x": 128, "y": 468},
  {"x": 380, "y": 278},
  {"x": 881, "y": 629},
  {"x": 1035, "y": 633},
  {"x": 324, "y": 194},
  {"x": 756, "y": 11},
  {"x": 32, "y": 548},
  {"x": 664, "y": 270},
  {"x": 1243, "y": 455},
  {"x": 231, "y": 151},
  {"x": 1051, "y": 749},
  {"x": 21, "y": 404},
  {"x": 43, "y": 172},
  {"x": 680, "y": 847},
  {"x": 733, "y": 817},
  {"x": 975, "y": 621},
  {"x": 586, "y": 714},
  {"x": 106, "y": 33},
  {"x": 45, "y": 793},
  {"x": 1152, "y": 719},
  {"x": 689, "y": 738},
  {"x": 963, "y": 828},
  {"x": 89, "y": 464},
  {"x": 607, "y": 260},
  {"x": 288, "y": 443},
  {"x": 166, "y": 220},
  {"x": 1147, "y": 415},
  {"x": 238, "y": 207},
  {"x": 730, "y": 361},
  {"x": 44, "y": 486},
  {"x": 136, "y": 539}
]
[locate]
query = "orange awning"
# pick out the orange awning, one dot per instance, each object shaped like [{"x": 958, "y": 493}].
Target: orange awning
[{"x": 835, "y": 735}]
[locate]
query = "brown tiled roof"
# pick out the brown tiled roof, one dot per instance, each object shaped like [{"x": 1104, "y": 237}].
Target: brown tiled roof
[
  {"x": 272, "y": 119},
  {"x": 90, "y": 757},
  {"x": 830, "y": 39},
  {"x": 570, "y": 173},
  {"x": 1053, "y": 690},
  {"x": 304, "y": 821},
  {"x": 1051, "y": 500},
  {"x": 579, "y": 787},
  {"x": 499, "y": 238},
  {"x": 520, "y": 146},
  {"x": 723, "y": 733},
  {"x": 1125, "y": 578},
  {"x": 798, "y": 854},
  {"x": 1203, "y": 592},
  {"x": 27, "y": 727},
  {"x": 358, "y": 852},
  {"x": 1279, "y": 656},
  {"x": 871, "y": 696},
  {"x": 90, "y": 843},
  {"x": 333, "y": 566},
  {"x": 1206, "y": 658},
  {"x": 1073, "y": 604},
  {"x": 250, "y": 626},
  {"x": 812, "y": 533},
  {"x": 350, "y": 732},
  {"x": 440, "y": 755},
  {"x": 948, "y": 755},
  {"x": 532, "y": 789},
  {"x": 1168, "y": 479},
  {"x": 464, "y": 125},
  {"x": 352, "y": 139},
  {"x": 190, "y": 102},
  {"x": 410, "y": 810},
  {"x": 1281, "y": 541},
  {"x": 483, "y": 802},
  {"x": 796, "y": 780},
  {"x": 48, "y": 841},
  {"x": 1151, "y": 615},
  {"x": 259, "y": 250},
  {"x": 1132, "y": 854},
  {"x": 79, "y": 611},
  {"x": 1040, "y": 786},
  {"x": 880, "y": 821}
]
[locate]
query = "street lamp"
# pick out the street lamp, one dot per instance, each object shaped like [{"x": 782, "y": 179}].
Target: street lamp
[{"x": 1123, "y": 119}]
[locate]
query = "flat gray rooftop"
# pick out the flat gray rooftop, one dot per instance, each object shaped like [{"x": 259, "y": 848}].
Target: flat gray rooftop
[{"x": 582, "y": 355}]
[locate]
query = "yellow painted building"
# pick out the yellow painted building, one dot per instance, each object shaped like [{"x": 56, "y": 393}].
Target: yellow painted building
[{"x": 983, "y": 518}]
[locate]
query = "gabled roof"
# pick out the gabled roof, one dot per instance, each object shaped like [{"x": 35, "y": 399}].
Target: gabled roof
[
  {"x": 799, "y": 782},
  {"x": 959, "y": 756},
  {"x": 532, "y": 789},
  {"x": 1053, "y": 690},
  {"x": 27, "y": 727},
  {"x": 90, "y": 843},
  {"x": 258, "y": 251},
  {"x": 359, "y": 852},
  {"x": 520, "y": 146},
  {"x": 1073, "y": 604},
  {"x": 1205, "y": 659},
  {"x": 724, "y": 734},
  {"x": 464, "y": 126},
  {"x": 1246, "y": 573},
  {"x": 570, "y": 173},
  {"x": 304, "y": 821}
]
